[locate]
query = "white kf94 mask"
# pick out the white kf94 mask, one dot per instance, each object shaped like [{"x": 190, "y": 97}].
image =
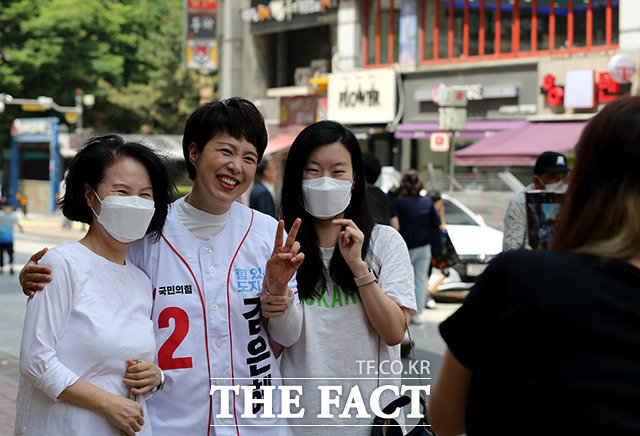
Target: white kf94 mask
[
  {"x": 125, "y": 218},
  {"x": 325, "y": 197}
]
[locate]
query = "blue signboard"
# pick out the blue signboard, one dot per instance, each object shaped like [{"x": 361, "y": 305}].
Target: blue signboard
[{"x": 36, "y": 130}]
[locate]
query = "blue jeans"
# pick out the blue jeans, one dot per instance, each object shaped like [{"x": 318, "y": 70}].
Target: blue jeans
[{"x": 420, "y": 260}]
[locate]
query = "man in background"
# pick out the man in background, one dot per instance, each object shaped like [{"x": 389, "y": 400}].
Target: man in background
[
  {"x": 549, "y": 173},
  {"x": 380, "y": 205},
  {"x": 263, "y": 195}
]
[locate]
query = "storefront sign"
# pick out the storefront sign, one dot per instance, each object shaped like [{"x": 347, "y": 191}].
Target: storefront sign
[
  {"x": 33, "y": 126},
  {"x": 580, "y": 89},
  {"x": 452, "y": 118},
  {"x": 621, "y": 68},
  {"x": 298, "y": 111},
  {"x": 202, "y": 25},
  {"x": 439, "y": 142},
  {"x": 200, "y": 34},
  {"x": 281, "y": 10},
  {"x": 582, "y": 86},
  {"x": 362, "y": 97},
  {"x": 518, "y": 109},
  {"x": 203, "y": 5},
  {"x": 202, "y": 54}
]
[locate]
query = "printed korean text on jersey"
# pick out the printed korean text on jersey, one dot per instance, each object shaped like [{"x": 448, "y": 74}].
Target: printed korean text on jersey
[
  {"x": 174, "y": 289},
  {"x": 259, "y": 351},
  {"x": 249, "y": 280}
]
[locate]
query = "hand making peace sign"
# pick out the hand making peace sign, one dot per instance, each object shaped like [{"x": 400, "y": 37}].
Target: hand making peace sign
[{"x": 284, "y": 261}]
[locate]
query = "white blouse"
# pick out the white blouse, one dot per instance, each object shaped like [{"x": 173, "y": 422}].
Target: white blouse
[{"x": 91, "y": 318}]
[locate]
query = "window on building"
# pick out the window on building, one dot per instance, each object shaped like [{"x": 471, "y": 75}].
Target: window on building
[
  {"x": 382, "y": 21},
  {"x": 467, "y": 30}
]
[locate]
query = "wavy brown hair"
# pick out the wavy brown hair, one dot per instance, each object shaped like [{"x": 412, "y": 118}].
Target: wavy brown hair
[
  {"x": 601, "y": 212},
  {"x": 411, "y": 183}
]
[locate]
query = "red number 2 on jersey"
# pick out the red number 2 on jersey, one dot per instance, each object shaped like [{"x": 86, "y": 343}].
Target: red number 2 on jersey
[{"x": 165, "y": 354}]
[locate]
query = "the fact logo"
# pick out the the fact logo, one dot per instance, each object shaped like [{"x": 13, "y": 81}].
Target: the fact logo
[{"x": 330, "y": 396}]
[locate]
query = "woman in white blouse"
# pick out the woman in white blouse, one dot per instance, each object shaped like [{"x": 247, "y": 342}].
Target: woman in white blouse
[{"x": 88, "y": 344}]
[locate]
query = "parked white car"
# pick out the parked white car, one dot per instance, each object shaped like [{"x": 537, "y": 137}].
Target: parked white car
[{"x": 475, "y": 242}]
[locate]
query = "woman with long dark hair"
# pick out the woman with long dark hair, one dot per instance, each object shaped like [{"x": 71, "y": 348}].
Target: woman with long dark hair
[
  {"x": 355, "y": 283},
  {"x": 549, "y": 341}
]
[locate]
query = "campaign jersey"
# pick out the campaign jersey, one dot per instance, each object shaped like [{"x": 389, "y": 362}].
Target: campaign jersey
[{"x": 206, "y": 315}]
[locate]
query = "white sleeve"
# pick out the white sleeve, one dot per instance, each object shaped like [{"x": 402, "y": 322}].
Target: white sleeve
[
  {"x": 396, "y": 274},
  {"x": 286, "y": 329},
  {"x": 47, "y": 314}
]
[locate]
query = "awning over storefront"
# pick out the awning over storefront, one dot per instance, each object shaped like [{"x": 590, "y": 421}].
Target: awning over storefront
[
  {"x": 521, "y": 146},
  {"x": 475, "y": 129},
  {"x": 278, "y": 143}
]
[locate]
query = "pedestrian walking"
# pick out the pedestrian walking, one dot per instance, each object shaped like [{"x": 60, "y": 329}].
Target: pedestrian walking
[
  {"x": 419, "y": 225},
  {"x": 8, "y": 220}
]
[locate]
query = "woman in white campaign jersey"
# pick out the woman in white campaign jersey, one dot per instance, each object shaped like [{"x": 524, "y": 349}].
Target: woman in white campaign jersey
[
  {"x": 92, "y": 325},
  {"x": 355, "y": 284},
  {"x": 207, "y": 271}
]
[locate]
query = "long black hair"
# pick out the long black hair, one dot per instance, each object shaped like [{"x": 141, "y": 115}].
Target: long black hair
[{"x": 311, "y": 273}]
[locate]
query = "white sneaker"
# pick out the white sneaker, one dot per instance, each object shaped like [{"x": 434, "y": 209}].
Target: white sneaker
[
  {"x": 431, "y": 304},
  {"x": 416, "y": 320}
]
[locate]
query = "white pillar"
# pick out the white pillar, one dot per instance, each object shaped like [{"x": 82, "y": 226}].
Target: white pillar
[
  {"x": 349, "y": 37},
  {"x": 629, "y": 26},
  {"x": 230, "y": 68}
]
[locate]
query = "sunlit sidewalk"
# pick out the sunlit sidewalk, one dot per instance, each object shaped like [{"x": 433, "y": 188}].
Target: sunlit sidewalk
[{"x": 51, "y": 225}]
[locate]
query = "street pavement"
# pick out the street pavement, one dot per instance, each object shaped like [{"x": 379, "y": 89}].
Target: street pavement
[
  {"x": 39, "y": 231},
  {"x": 46, "y": 231}
]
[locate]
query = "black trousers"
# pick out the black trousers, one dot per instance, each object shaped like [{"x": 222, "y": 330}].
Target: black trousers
[{"x": 8, "y": 247}]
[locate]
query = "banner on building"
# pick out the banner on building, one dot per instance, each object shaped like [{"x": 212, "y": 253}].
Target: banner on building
[{"x": 200, "y": 34}]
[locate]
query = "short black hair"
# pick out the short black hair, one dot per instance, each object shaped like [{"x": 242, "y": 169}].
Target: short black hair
[
  {"x": 262, "y": 166},
  {"x": 235, "y": 116},
  {"x": 372, "y": 168},
  {"x": 89, "y": 166}
]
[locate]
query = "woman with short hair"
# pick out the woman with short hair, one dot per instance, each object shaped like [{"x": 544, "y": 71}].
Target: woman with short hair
[{"x": 88, "y": 345}]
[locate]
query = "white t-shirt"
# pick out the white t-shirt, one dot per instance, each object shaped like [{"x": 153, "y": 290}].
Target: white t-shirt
[
  {"x": 336, "y": 335},
  {"x": 92, "y": 317},
  {"x": 202, "y": 225}
]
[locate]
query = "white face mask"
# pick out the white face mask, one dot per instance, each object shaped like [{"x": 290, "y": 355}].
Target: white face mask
[
  {"x": 125, "y": 218},
  {"x": 560, "y": 187},
  {"x": 325, "y": 197}
]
